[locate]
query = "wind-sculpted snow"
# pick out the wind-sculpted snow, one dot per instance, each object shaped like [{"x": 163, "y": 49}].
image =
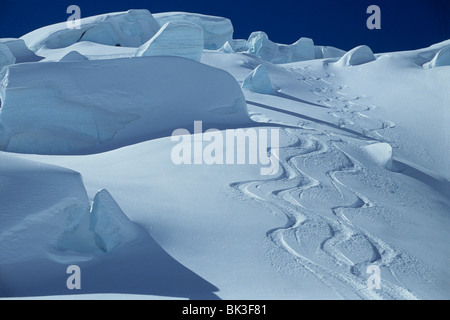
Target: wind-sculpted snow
[
  {"x": 129, "y": 29},
  {"x": 381, "y": 153},
  {"x": 357, "y": 56},
  {"x": 6, "y": 57},
  {"x": 39, "y": 202},
  {"x": 19, "y": 50},
  {"x": 73, "y": 56},
  {"x": 109, "y": 223},
  {"x": 259, "y": 81},
  {"x": 441, "y": 58},
  {"x": 322, "y": 52},
  {"x": 175, "y": 38},
  {"x": 88, "y": 106},
  {"x": 217, "y": 30}
]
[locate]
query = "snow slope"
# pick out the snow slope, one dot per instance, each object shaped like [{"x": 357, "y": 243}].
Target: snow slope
[{"x": 363, "y": 176}]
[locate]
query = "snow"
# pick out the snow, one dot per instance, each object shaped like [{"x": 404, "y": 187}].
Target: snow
[
  {"x": 129, "y": 29},
  {"x": 73, "y": 56},
  {"x": 175, "y": 38},
  {"x": 363, "y": 177},
  {"x": 442, "y": 58},
  {"x": 70, "y": 108},
  {"x": 258, "y": 81},
  {"x": 39, "y": 202},
  {"x": 356, "y": 56},
  {"x": 19, "y": 50},
  {"x": 328, "y": 52},
  {"x": 381, "y": 153},
  {"x": 109, "y": 223},
  {"x": 303, "y": 49},
  {"x": 217, "y": 30},
  {"x": 6, "y": 57}
]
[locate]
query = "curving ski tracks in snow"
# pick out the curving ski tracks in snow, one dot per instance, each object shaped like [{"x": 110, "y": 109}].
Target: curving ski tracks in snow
[{"x": 318, "y": 235}]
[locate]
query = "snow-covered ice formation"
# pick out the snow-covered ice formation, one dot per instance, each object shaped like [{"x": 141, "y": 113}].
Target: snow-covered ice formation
[
  {"x": 259, "y": 81},
  {"x": 323, "y": 52},
  {"x": 129, "y": 29},
  {"x": 227, "y": 48},
  {"x": 358, "y": 55},
  {"x": 6, "y": 57},
  {"x": 216, "y": 30},
  {"x": 19, "y": 50},
  {"x": 109, "y": 223},
  {"x": 260, "y": 45},
  {"x": 441, "y": 58},
  {"x": 175, "y": 38},
  {"x": 78, "y": 107},
  {"x": 39, "y": 202},
  {"x": 303, "y": 49},
  {"x": 73, "y": 56},
  {"x": 363, "y": 179}
]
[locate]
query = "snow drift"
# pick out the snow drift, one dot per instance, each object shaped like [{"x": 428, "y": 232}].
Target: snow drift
[
  {"x": 357, "y": 56},
  {"x": 89, "y": 106},
  {"x": 131, "y": 29},
  {"x": 217, "y": 30},
  {"x": 175, "y": 38},
  {"x": 441, "y": 58},
  {"x": 39, "y": 202}
]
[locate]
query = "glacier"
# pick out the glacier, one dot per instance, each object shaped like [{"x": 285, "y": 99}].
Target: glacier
[{"x": 87, "y": 178}]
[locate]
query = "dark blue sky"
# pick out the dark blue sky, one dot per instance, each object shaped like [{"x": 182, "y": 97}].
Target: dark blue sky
[{"x": 405, "y": 24}]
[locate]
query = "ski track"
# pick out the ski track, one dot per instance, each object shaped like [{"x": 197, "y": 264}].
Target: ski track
[{"x": 318, "y": 236}]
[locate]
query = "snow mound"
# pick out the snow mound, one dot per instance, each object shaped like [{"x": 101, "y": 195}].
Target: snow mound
[
  {"x": 259, "y": 81},
  {"x": 217, "y": 30},
  {"x": 19, "y": 50},
  {"x": 380, "y": 153},
  {"x": 109, "y": 223},
  {"x": 89, "y": 106},
  {"x": 73, "y": 56},
  {"x": 303, "y": 50},
  {"x": 175, "y": 38},
  {"x": 38, "y": 202},
  {"x": 442, "y": 58},
  {"x": 130, "y": 29},
  {"x": 6, "y": 57},
  {"x": 357, "y": 56}
]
